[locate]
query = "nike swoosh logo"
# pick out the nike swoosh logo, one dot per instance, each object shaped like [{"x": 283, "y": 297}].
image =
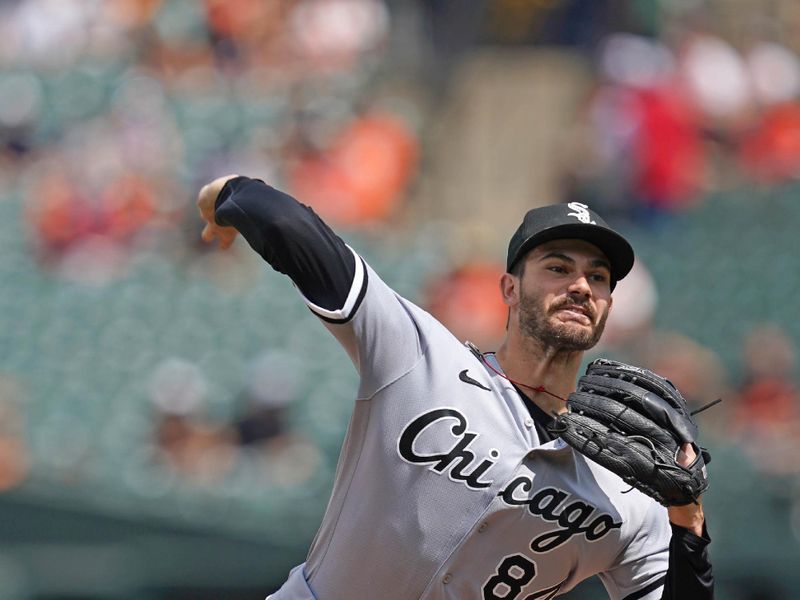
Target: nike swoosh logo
[{"x": 467, "y": 379}]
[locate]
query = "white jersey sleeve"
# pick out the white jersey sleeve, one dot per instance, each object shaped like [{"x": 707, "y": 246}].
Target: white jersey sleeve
[
  {"x": 377, "y": 331},
  {"x": 639, "y": 572}
]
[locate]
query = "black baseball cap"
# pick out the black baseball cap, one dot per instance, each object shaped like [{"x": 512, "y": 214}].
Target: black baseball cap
[{"x": 573, "y": 220}]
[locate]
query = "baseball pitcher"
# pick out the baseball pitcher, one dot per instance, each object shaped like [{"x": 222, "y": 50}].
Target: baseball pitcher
[{"x": 467, "y": 474}]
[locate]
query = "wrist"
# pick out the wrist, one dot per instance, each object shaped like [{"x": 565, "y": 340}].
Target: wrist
[{"x": 689, "y": 517}]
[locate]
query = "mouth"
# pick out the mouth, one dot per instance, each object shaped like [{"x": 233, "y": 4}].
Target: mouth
[{"x": 575, "y": 312}]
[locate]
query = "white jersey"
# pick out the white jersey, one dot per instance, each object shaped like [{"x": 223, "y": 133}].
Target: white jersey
[{"x": 443, "y": 489}]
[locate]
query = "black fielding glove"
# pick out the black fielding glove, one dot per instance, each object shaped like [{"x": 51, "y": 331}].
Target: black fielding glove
[{"x": 633, "y": 422}]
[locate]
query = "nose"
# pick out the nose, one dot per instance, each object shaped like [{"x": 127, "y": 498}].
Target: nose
[{"x": 580, "y": 287}]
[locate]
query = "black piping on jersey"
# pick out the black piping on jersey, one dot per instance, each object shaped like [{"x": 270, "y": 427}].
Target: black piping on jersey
[
  {"x": 351, "y": 311},
  {"x": 646, "y": 589}
]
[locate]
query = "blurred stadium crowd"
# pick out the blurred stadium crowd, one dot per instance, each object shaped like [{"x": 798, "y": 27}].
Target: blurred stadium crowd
[{"x": 138, "y": 364}]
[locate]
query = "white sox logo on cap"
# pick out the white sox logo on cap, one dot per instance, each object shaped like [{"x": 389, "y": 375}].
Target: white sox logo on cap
[
  {"x": 574, "y": 220},
  {"x": 581, "y": 213}
]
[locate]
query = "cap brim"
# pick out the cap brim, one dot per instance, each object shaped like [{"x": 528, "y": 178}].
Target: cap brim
[{"x": 616, "y": 248}]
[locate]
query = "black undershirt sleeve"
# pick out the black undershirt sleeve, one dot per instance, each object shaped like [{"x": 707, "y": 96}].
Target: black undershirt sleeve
[
  {"x": 291, "y": 238},
  {"x": 689, "y": 575}
]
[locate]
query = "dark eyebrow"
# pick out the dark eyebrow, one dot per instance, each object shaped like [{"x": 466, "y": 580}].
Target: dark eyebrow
[
  {"x": 597, "y": 262},
  {"x": 558, "y": 255}
]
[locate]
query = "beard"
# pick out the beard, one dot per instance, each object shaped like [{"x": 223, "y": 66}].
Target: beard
[{"x": 535, "y": 323}]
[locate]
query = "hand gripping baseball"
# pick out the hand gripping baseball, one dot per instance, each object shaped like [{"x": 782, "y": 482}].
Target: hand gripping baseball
[{"x": 634, "y": 423}]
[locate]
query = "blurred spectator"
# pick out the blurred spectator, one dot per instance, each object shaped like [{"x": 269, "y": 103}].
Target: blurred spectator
[
  {"x": 359, "y": 180},
  {"x": 468, "y": 302},
  {"x": 97, "y": 193},
  {"x": 306, "y": 38},
  {"x": 203, "y": 88},
  {"x": 640, "y": 153},
  {"x": 716, "y": 78},
  {"x": 50, "y": 31},
  {"x": 770, "y": 148},
  {"x": 774, "y": 72},
  {"x": 264, "y": 431},
  {"x": 666, "y": 122},
  {"x": 334, "y": 33},
  {"x": 768, "y": 409},
  {"x": 239, "y": 27},
  {"x": 667, "y": 151},
  {"x": 272, "y": 385},
  {"x": 769, "y": 359},
  {"x": 771, "y": 152},
  {"x": 86, "y": 232},
  {"x": 187, "y": 441},
  {"x": 59, "y": 213}
]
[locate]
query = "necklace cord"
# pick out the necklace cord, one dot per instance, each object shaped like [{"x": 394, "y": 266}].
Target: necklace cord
[{"x": 535, "y": 388}]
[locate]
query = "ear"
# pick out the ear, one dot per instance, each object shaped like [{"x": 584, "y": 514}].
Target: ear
[{"x": 509, "y": 288}]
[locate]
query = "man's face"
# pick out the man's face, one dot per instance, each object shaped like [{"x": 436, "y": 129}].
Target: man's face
[{"x": 564, "y": 294}]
